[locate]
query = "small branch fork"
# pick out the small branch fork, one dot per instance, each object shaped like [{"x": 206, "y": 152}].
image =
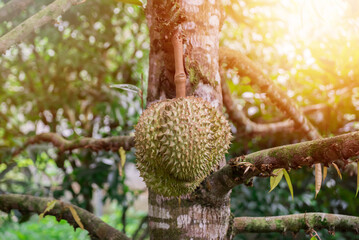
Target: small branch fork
[
  {"x": 29, "y": 204},
  {"x": 245, "y": 67},
  {"x": 239, "y": 118},
  {"x": 296, "y": 222}
]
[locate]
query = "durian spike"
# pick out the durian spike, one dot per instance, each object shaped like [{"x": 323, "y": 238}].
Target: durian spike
[{"x": 180, "y": 75}]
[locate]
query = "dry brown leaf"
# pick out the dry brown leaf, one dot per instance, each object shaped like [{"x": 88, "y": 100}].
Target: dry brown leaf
[
  {"x": 325, "y": 172},
  {"x": 318, "y": 178},
  {"x": 76, "y": 216},
  {"x": 338, "y": 171}
]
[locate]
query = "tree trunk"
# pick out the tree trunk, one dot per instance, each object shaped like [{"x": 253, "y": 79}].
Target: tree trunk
[{"x": 199, "y": 22}]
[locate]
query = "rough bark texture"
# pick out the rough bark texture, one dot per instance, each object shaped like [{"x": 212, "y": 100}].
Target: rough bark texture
[
  {"x": 240, "y": 170},
  {"x": 200, "y": 22},
  {"x": 49, "y": 13},
  {"x": 29, "y": 204},
  {"x": 296, "y": 222},
  {"x": 171, "y": 218},
  {"x": 13, "y": 8}
]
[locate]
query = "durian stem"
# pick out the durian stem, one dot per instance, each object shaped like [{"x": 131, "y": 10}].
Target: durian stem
[{"x": 180, "y": 75}]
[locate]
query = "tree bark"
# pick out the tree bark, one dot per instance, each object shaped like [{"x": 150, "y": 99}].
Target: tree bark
[
  {"x": 111, "y": 143},
  {"x": 240, "y": 170},
  {"x": 200, "y": 23},
  {"x": 296, "y": 222}
]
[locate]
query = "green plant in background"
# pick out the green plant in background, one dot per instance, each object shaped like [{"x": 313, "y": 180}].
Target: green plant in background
[
  {"x": 60, "y": 79},
  {"x": 34, "y": 228}
]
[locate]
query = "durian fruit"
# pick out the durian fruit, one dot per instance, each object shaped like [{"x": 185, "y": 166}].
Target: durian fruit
[{"x": 178, "y": 143}]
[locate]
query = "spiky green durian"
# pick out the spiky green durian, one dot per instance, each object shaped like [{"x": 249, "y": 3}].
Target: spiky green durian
[{"x": 178, "y": 143}]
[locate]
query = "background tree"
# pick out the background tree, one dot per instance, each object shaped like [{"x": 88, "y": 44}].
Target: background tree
[{"x": 58, "y": 81}]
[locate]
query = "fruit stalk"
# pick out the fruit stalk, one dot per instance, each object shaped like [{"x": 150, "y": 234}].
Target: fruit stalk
[{"x": 180, "y": 75}]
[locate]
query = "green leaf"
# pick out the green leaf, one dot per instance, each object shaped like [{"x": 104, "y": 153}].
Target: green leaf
[
  {"x": 313, "y": 238},
  {"x": 122, "y": 153},
  {"x": 50, "y": 205},
  {"x": 127, "y": 87},
  {"x": 289, "y": 182},
  {"x": 274, "y": 181}
]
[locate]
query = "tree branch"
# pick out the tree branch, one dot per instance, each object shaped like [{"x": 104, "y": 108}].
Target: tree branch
[
  {"x": 7, "y": 169},
  {"x": 49, "y": 13},
  {"x": 296, "y": 222},
  {"x": 314, "y": 108},
  {"x": 239, "y": 118},
  {"x": 29, "y": 204},
  {"x": 107, "y": 144},
  {"x": 241, "y": 169},
  {"x": 245, "y": 67},
  {"x": 13, "y": 8}
]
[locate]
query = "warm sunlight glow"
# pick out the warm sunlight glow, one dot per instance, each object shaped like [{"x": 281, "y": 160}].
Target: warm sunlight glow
[{"x": 311, "y": 19}]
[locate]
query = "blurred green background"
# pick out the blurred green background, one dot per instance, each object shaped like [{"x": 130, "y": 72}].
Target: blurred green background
[{"x": 58, "y": 79}]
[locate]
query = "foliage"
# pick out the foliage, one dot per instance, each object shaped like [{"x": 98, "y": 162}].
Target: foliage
[
  {"x": 68, "y": 70},
  {"x": 317, "y": 68},
  {"x": 60, "y": 78},
  {"x": 47, "y": 228}
]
